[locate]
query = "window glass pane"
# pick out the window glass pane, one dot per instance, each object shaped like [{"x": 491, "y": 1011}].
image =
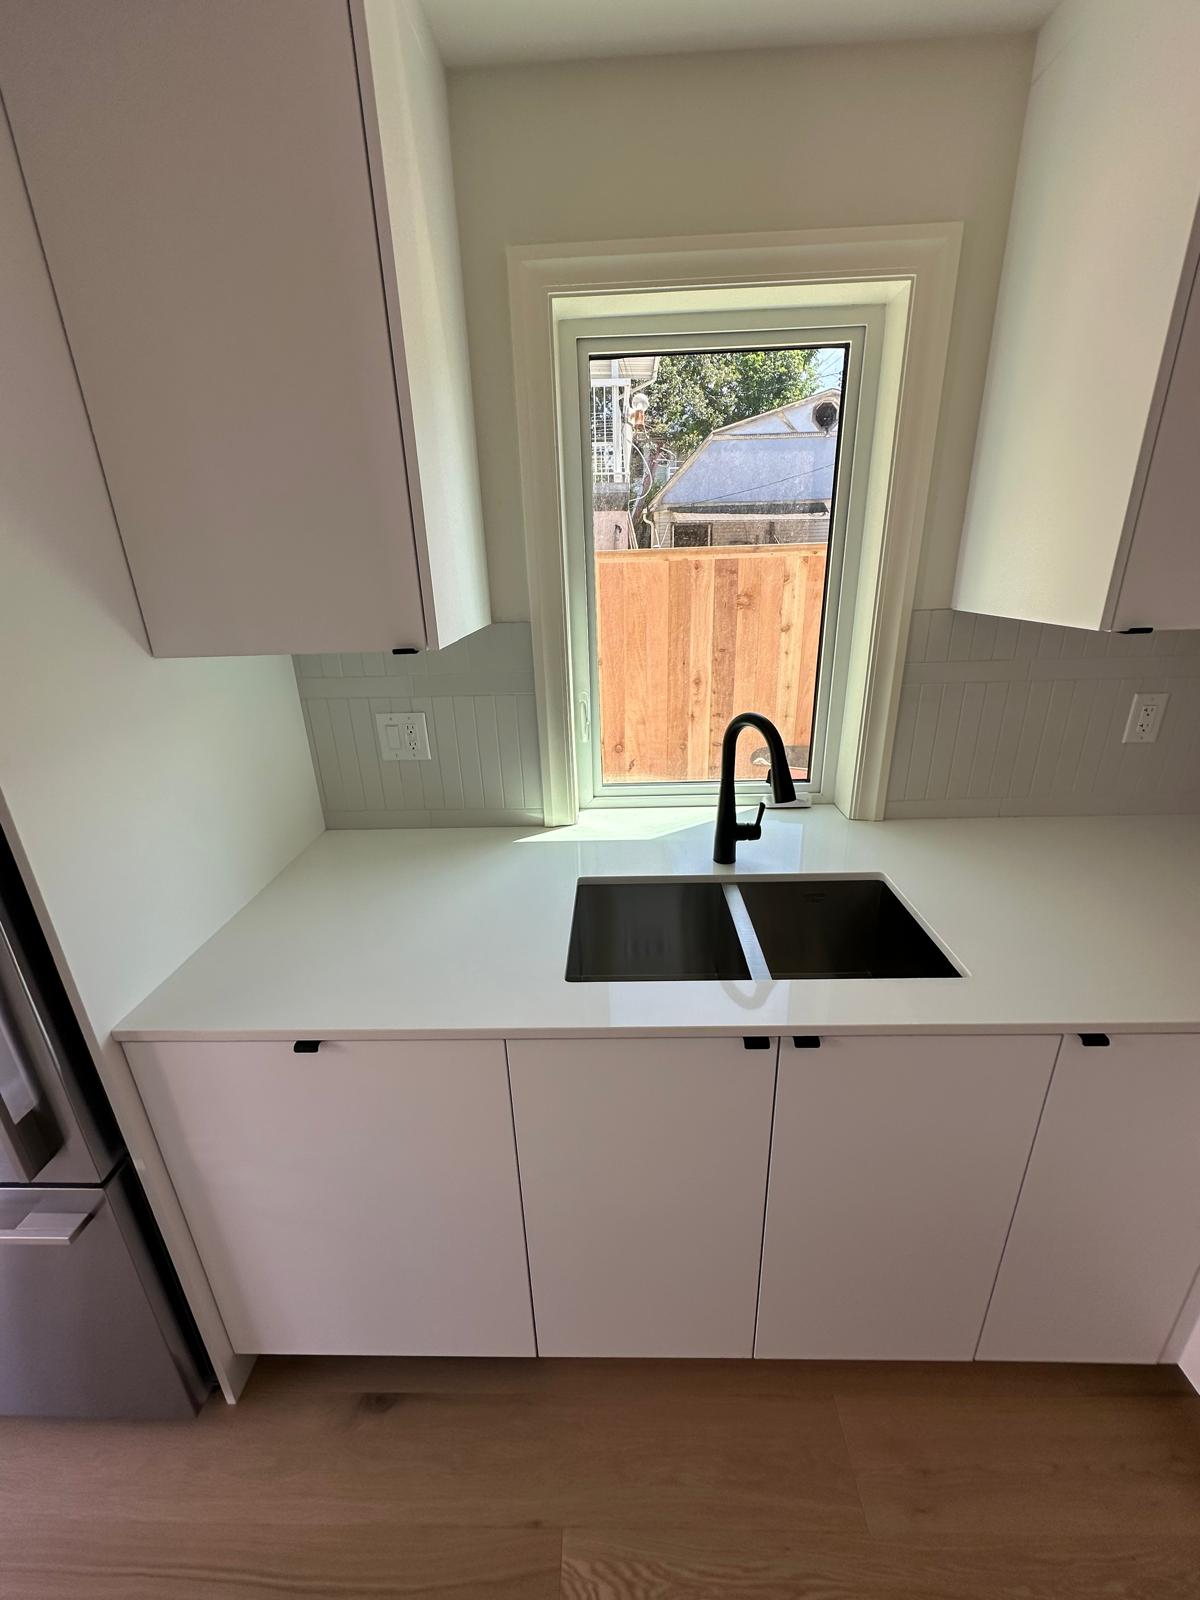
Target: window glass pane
[{"x": 713, "y": 482}]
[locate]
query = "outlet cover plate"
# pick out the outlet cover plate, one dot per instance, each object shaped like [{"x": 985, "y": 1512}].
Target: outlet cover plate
[
  {"x": 403, "y": 736},
  {"x": 1145, "y": 718}
]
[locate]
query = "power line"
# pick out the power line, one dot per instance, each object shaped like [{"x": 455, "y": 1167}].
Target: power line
[{"x": 754, "y": 488}]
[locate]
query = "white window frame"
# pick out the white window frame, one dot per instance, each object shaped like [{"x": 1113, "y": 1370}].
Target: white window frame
[
  {"x": 783, "y": 326},
  {"x": 910, "y": 272}
]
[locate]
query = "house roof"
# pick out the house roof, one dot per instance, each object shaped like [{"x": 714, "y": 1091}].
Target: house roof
[
  {"x": 772, "y": 464},
  {"x": 796, "y": 417}
]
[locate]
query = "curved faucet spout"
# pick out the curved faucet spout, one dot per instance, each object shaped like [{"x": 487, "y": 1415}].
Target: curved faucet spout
[{"x": 729, "y": 829}]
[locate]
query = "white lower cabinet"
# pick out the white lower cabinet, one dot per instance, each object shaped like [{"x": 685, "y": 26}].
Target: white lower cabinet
[
  {"x": 895, "y": 1167},
  {"x": 361, "y": 1200},
  {"x": 1106, "y": 1239},
  {"x": 643, "y": 1168},
  {"x": 365, "y": 1199}
]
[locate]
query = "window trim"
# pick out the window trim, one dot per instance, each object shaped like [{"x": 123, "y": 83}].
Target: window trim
[
  {"x": 783, "y": 326},
  {"x": 912, "y": 272}
]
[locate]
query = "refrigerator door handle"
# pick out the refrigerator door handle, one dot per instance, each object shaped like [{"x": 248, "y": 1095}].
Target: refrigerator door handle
[
  {"x": 26, "y": 1144},
  {"x": 28, "y": 1135},
  {"x": 47, "y": 1227}
]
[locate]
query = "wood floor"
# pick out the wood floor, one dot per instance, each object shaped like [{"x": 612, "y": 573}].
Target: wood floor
[{"x": 621, "y": 1481}]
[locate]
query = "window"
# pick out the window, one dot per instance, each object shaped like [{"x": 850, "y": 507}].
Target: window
[
  {"x": 608, "y": 457},
  {"x": 887, "y": 295},
  {"x": 713, "y": 549}
]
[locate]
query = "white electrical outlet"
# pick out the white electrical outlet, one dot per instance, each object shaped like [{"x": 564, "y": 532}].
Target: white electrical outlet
[
  {"x": 403, "y": 736},
  {"x": 1145, "y": 718}
]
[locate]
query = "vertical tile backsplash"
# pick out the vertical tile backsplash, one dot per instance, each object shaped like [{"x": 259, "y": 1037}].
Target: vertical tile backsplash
[
  {"x": 997, "y": 718},
  {"x": 1004, "y": 718},
  {"x": 478, "y": 701}
]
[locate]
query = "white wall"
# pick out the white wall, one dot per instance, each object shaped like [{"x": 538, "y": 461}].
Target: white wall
[
  {"x": 717, "y": 143},
  {"x": 151, "y": 799}
]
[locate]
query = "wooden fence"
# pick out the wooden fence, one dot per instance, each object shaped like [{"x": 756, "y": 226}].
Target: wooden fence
[{"x": 688, "y": 638}]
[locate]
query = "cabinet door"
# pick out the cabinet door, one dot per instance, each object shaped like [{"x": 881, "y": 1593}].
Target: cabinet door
[
  {"x": 1106, "y": 1239},
  {"x": 643, "y": 1168},
  {"x": 895, "y": 1168},
  {"x": 1056, "y": 419},
  {"x": 359, "y": 1201},
  {"x": 200, "y": 181},
  {"x": 1159, "y": 580}
]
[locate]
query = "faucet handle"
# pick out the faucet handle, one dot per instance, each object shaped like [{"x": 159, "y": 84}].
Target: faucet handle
[{"x": 752, "y": 830}]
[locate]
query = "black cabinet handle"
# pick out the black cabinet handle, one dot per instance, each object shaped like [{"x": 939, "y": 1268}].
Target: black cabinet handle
[
  {"x": 306, "y": 1047},
  {"x": 754, "y": 1042},
  {"x": 806, "y": 1041},
  {"x": 1094, "y": 1041}
]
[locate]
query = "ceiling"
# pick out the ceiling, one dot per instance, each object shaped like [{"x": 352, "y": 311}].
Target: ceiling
[{"x": 475, "y": 32}]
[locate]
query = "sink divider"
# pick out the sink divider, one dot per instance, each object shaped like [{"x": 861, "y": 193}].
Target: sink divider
[{"x": 747, "y": 937}]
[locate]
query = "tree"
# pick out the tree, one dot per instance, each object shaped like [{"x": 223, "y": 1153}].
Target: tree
[{"x": 693, "y": 393}]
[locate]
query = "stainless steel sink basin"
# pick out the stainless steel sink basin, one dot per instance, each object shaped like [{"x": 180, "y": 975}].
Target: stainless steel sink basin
[
  {"x": 805, "y": 927},
  {"x": 645, "y": 930},
  {"x": 840, "y": 928}
]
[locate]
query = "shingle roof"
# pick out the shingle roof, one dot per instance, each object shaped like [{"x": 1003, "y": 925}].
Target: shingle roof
[
  {"x": 751, "y": 473},
  {"x": 773, "y": 463}
]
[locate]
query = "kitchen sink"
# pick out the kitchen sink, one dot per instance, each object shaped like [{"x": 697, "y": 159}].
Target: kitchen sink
[
  {"x": 840, "y": 928},
  {"x": 644, "y": 929}
]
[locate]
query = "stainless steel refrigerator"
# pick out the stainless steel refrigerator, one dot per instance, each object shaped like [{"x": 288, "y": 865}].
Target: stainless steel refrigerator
[{"x": 92, "y": 1322}]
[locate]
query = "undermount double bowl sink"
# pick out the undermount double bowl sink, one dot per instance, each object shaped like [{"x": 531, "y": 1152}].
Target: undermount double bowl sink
[{"x": 747, "y": 928}]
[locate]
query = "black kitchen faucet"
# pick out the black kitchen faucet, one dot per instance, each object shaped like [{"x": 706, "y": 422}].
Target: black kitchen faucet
[{"x": 729, "y": 829}]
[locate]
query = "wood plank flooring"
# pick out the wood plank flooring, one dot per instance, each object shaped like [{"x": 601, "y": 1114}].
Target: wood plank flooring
[{"x": 363, "y": 1480}]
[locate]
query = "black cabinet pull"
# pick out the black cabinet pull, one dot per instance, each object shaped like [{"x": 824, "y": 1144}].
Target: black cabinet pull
[
  {"x": 806, "y": 1041},
  {"x": 753, "y": 1042},
  {"x": 1094, "y": 1041},
  {"x": 306, "y": 1047}
]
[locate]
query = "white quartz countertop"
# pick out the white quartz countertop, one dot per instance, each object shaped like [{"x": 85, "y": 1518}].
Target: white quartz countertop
[{"x": 1059, "y": 924}]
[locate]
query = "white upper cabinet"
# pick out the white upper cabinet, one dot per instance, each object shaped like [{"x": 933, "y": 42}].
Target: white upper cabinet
[
  {"x": 1086, "y": 479},
  {"x": 247, "y": 211}
]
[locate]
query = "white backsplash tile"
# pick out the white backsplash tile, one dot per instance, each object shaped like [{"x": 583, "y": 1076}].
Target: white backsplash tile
[
  {"x": 1005, "y": 718},
  {"x": 479, "y": 708},
  {"x": 997, "y": 718}
]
